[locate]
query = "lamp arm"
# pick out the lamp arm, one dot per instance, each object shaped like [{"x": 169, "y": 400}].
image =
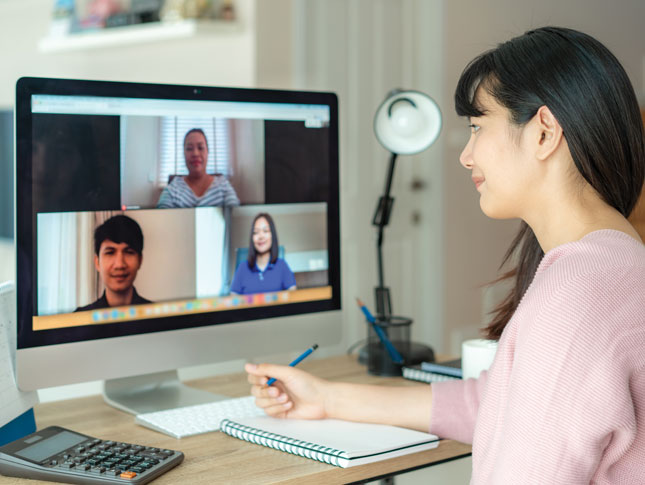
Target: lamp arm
[
  {"x": 384, "y": 207},
  {"x": 390, "y": 176},
  {"x": 381, "y": 219}
]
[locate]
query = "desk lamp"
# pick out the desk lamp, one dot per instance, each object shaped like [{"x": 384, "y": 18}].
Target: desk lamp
[{"x": 406, "y": 123}]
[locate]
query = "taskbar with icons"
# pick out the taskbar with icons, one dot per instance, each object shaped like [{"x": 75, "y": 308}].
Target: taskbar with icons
[{"x": 180, "y": 307}]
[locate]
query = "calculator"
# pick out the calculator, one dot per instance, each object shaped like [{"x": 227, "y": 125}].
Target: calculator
[{"x": 60, "y": 455}]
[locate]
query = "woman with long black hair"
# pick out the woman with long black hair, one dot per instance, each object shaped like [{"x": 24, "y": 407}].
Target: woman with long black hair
[
  {"x": 264, "y": 270},
  {"x": 557, "y": 141}
]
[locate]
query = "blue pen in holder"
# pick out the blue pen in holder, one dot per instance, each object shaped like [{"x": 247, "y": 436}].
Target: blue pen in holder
[{"x": 380, "y": 360}]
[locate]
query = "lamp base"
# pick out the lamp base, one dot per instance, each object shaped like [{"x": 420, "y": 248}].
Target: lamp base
[{"x": 415, "y": 353}]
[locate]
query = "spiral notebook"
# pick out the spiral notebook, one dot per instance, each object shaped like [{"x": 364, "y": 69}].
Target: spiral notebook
[
  {"x": 417, "y": 373},
  {"x": 339, "y": 443}
]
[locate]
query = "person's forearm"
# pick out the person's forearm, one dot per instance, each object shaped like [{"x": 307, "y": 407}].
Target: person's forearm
[{"x": 408, "y": 407}]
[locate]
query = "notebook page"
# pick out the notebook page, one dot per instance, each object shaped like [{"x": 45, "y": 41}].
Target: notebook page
[{"x": 354, "y": 439}]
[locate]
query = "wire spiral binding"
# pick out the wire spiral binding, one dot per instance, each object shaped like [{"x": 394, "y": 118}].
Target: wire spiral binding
[{"x": 283, "y": 443}]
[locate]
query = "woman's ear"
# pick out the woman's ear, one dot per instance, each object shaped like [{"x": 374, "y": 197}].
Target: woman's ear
[{"x": 549, "y": 133}]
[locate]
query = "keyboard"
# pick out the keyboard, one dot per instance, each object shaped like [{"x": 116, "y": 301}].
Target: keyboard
[{"x": 200, "y": 418}]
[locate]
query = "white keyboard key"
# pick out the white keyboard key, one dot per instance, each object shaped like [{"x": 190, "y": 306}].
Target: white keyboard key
[{"x": 198, "y": 419}]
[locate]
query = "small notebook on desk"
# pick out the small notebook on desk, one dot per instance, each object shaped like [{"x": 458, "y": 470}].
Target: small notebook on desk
[
  {"x": 434, "y": 371},
  {"x": 339, "y": 443},
  {"x": 448, "y": 368}
]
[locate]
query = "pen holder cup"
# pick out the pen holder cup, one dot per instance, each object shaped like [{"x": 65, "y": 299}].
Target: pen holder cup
[{"x": 379, "y": 360}]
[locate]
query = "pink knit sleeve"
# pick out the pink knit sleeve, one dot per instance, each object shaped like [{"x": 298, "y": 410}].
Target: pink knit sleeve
[
  {"x": 454, "y": 407},
  {"x": 569, "y": 402}
]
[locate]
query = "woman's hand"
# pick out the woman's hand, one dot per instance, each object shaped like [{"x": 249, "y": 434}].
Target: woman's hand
[
  {"x": 299, "y": 395},
  {"x": 295, "y": 394}
]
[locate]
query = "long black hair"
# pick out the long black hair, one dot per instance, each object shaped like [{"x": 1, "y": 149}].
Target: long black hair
[
  {"x": 589, "y": 93},
  {"x": 274, "y": 241}
]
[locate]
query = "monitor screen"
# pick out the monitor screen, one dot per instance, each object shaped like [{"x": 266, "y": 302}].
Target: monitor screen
[{"x": 148, "y": 208}]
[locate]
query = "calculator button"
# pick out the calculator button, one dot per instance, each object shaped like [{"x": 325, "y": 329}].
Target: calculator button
[
  {"x": 53, "y": 462},
  {"x": 97, "y": 469},
  {"x": 150, "y": 454},
  {"x": 66, "y": 465},
  {"x": 128, "y": 475}
]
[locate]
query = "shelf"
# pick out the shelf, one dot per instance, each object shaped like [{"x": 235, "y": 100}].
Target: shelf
[{"x": 136, "y": 34}]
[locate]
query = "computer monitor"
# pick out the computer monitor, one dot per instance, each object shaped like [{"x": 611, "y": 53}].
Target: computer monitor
[{"x": 165, "y": 226}]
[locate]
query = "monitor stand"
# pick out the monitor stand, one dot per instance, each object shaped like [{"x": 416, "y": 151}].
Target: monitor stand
[{"x": 154, "y": 392}]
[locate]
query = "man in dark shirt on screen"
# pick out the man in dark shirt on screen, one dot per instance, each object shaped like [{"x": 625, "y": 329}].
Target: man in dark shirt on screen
[{"x": 118, "y": 248}]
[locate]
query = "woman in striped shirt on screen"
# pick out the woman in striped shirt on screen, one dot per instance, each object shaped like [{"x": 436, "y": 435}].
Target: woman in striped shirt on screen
[{"x": 198, "y": 188}]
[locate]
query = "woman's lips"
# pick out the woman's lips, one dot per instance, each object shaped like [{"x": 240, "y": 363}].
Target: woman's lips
[{"x": 478, "y": 181}]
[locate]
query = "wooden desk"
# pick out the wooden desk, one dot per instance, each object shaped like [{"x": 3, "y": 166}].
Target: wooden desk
[{"x": 217, "y": 458}]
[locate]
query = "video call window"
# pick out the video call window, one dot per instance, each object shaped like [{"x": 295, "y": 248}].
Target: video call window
[
  {"x": 153, "y": 154},
  {"x": 176, "y": 206}
]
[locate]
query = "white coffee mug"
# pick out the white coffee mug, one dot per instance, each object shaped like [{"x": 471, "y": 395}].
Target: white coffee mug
[{"x": 477, "y": 355}]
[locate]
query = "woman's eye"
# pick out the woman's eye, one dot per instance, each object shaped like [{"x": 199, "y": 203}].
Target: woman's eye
[{"x": 473, "y": 128}]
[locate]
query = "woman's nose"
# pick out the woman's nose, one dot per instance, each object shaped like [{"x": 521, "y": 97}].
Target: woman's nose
[{"x": 466, "y": 157}]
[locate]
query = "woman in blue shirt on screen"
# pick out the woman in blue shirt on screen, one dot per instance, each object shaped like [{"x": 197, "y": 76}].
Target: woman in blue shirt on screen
[{"x": 264, "y": 271}]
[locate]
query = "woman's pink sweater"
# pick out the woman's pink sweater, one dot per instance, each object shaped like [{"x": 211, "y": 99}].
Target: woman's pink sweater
[{"x": 564, "y": 400}]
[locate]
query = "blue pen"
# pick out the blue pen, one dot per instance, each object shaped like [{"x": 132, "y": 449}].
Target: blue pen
[
  {"x": 394, "y": 354},
  {"x": 297, "y": 360}
]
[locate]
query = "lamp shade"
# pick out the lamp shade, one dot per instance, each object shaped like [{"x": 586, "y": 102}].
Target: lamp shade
[{"x": 407, "y": 122}]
